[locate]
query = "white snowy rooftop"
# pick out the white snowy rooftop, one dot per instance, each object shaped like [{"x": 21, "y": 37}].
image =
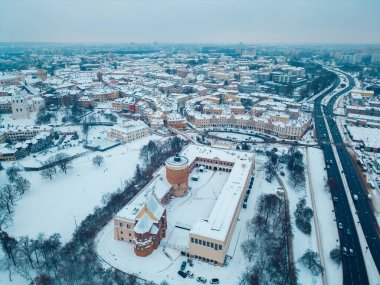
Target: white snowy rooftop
[{"x": 221, "y": 216}]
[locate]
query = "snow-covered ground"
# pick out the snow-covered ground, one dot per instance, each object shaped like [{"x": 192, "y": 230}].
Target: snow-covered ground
[
  {"x": 301, "y": 241},
  {"x": 369, "y": 136},
  {"x": 236, "y": 137},
  {"x": 324, "y": 214},
  {"x": 56, "y": 206},
  {"x": 158, "y": 266}
]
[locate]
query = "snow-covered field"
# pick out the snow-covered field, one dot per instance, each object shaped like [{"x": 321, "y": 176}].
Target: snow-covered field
[
  {"x": 236, "y": 137},
  {"x": 56, "y": 206}
]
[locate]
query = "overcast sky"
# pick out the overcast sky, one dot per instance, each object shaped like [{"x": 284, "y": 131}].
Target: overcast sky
[{"x": 191, "y": 21}]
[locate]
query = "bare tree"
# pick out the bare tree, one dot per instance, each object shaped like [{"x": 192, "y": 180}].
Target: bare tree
[
  {"x": 5, "y": 216},
  {"x": 8, "y": 197},
  {"x": 48, "y": 173},
  {"x": 249, "y": 248},
  {"x": 63, "y": 161},
  {"x": 310, "y": 259},
  {"x": 13, "y": 173},
  {"x": 335, "y": 255},
  {"x": 21, "y": 185},
  {"x": 98, "y": 160},
  {"x": 9, "y": 245}
]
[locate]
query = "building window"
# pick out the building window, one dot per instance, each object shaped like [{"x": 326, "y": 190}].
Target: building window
[
  {"x": 216, "y": 247},
  {"x": 192, "y": 240},
  {"x": 130, "y": 234},
  {"x": 204, "y": 243},
  {"x": 220, "y": 247},
  {"x": 121, "y": 232},
  {"x": 121, "y": 224},
  {"x": 208, "y": 244},
  {"x": 196, "y": 241},
  {"x": 212, "y": 245}
]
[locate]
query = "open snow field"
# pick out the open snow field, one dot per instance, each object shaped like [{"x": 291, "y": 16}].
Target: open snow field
[
  {"x": 163, "y": 264},
  {"x": 58, "y": 205},
  {"x": 236, "y": 137}
]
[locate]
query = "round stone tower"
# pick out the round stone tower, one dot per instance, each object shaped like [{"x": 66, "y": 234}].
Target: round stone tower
[{"x": 177, "y": 174}]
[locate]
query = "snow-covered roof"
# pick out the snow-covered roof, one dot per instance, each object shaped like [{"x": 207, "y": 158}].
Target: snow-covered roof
[
  {"x": 222, "y": 214},
  {"x": 144, "y": 224}
]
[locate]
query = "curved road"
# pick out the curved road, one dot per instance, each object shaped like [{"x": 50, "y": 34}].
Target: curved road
[
  {"x": 357, "y": 187},
  {"x": 354, "y": 270}
]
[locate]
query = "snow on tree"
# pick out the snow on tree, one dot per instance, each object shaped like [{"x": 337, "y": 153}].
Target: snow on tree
[
  {"x": 98, "y": 160},
  {"x": 303, "y": 215},
  {"x": 335, "y": 255},
  {"x": 48, "y": 173},
  {"x": 13, "y": 173},
  {"x": 310, "y": 259}
]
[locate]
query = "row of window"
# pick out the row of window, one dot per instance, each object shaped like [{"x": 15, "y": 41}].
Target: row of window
[
  {"x": 211, "y": 161},
  {"x": 207, "y": 243},
  {"x": 121, "y": 225},
  {"x": 121, "y": 232}
]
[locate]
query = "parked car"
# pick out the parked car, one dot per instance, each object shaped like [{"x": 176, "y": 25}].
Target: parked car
[
  {"x": 182, "y": 274},
  {"x": 201, "y": 279},
  {"x": 355, "y": 197},
  {"x": 244, "y": 205},
  {"x": 340, "y": 226},
  {"x": 351, "y": 252},
  {"x": 214, "y": 281},
  {"x": 190, "y": 274},
  {"x": 183, "y": 265},
  {"x": 335, "y": 199}
]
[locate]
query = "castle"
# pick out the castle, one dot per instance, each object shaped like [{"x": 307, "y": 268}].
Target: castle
[{"x": 143, "y": 221}]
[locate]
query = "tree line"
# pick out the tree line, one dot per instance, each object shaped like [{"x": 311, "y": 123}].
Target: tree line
[
  {"x": 267, "y": 248},
  {"x": 10, "y": 193}
]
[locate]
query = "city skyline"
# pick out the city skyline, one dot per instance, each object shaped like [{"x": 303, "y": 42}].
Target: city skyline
[{"x": 169, "y": 21}]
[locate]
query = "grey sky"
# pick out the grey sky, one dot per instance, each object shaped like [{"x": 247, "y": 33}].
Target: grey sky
[{"x": 191, "y": 21}]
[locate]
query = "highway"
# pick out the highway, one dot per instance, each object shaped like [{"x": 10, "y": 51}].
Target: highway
[
  {"x": 357, "y": 187},
  {"x": 354, "y": 270}
]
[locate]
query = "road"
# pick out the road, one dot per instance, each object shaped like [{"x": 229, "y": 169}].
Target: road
[
  {"x": 357, "y": 187},
  {"x": 354, "y": 270}
]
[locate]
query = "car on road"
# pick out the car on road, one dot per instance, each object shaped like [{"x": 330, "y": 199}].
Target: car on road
[
  {"x": 355, "y": 197},
  {"x": 201, "y": 279},
  {"x": 340, "y": 226},
  {"x": 335, "y": 199},
  {"x": 348, "y": 231},
  {"x": 214, "y": 281},
  {"x": 344, "y": 250},
  {"x": 351, "y": 252},
  {"x": 190, "y": 274},
  {"x": 183, "y": 265},
  {"x": 182, "y": 274}
]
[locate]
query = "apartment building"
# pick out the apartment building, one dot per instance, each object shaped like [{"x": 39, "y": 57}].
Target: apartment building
[{"x": 129, "y": 132}]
